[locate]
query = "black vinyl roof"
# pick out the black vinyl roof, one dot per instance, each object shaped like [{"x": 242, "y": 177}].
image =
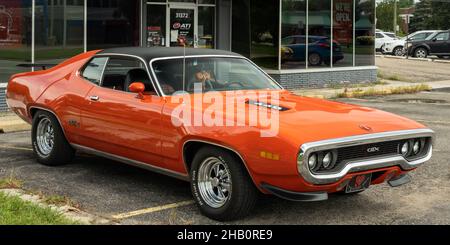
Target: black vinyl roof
[{"x": 161, "y": 52}]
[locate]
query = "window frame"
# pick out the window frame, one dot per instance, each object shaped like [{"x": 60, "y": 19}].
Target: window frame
[{"x": 108, "y": 56}]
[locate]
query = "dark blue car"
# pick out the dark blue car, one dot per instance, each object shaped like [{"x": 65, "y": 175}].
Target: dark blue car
[{"x": 318, "y": 49}]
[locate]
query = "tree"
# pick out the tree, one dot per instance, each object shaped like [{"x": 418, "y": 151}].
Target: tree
[
  {"x": 431, "y": 15},
  {"x": 385, "y": 15}
]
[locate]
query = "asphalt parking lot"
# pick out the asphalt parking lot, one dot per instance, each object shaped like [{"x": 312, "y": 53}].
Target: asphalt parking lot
[{"x": 115, "y": 191}]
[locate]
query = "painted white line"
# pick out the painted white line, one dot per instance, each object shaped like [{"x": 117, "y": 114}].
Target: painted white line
[
  {"x": 152, "y": 210},
  {"x": 15, "y": 148}
]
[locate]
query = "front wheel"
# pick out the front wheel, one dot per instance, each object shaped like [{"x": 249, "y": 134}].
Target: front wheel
[
  {"x": 221, "y": 186},
  {"x": 49, "y": 143},
  {"x": 421, "y": 53},
  {"x": 315, "y": 59},
  {"x": 398, "y": 51}
]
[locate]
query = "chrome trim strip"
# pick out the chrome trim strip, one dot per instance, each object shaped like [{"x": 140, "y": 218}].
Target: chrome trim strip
[
  {"x": 156, "y": 88},
  {"x": 132, "y": 162},
  {"x": 361, "y": 165},
  {"x": 206, "y": 56}
]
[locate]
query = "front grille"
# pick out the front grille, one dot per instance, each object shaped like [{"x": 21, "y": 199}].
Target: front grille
[{"x": 361, "y": 151}]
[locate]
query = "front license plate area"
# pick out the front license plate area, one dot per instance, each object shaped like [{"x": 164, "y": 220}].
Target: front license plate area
[{"x": 359, "y": 183}]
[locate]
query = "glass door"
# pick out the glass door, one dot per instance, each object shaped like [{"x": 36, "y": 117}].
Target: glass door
[{"x": 182, "y": 26}]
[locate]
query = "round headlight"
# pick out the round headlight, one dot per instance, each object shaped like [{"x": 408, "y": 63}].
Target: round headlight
[
  {"x": 405, "y": 149},
  {"x": 416, "y": 147},
  {"x": 312, "y": 161},
  {"x": 327, "y": 159}
]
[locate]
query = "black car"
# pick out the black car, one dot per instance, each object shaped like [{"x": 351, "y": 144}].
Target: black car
[{"x": 437, "y": 44}]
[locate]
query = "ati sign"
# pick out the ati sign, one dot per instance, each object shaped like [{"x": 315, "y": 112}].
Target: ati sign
[{"x": 180, "y": 26}]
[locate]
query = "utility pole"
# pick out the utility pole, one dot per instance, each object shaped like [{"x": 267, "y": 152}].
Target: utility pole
[{"x": 395, "y": 17}]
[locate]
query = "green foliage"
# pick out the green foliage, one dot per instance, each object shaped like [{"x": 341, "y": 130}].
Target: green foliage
[
  {"x": 432, "y": 15},
  {"x": 385, "y": 14},
  {"x": 14, "y": 211}
]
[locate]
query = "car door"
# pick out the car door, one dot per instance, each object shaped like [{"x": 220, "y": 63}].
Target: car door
[
  {"x": 440, "y": 43},
  {"x": 379, "y": 40},
  {"x": 122, "y": 123}
]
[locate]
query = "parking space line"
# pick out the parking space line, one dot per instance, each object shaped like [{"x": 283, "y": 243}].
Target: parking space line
[
  {"x": 15, "y": 148},
  {"x": 152, "y": 209}
]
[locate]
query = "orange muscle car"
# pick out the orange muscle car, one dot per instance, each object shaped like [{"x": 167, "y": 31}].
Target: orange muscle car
[{"x": 197, "y": 115}]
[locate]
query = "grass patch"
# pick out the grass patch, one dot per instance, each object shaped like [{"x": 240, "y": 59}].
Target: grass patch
[
  {"x": 392, "y": 77},
  {"x": 358, "y": 93},
  {"x": 15, "y": 211},
  {"x": 10, "y": 183},
  {"x": 58, "y": 200}
]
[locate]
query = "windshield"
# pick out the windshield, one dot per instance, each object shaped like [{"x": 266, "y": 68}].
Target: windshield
[
  {"x": 210, "y": 74},
  {"x": 390, "y": 35}
]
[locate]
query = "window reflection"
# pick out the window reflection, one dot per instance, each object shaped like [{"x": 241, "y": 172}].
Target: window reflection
[
  {"x": 343, "y": 32},
  {"x": 15, "y": 37},
  {"x": 293, "y": 33},
  {"x": 364, "y": 32},
  {"x": 319, "y": 34}
]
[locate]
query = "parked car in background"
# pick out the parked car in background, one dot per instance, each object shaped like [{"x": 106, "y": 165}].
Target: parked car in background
[
  {"x": 397, "y": 47},
  {"x": 318, "y": 49},
  {"x": 437, "y": 44},
  {"x": 381, "y": 38}
]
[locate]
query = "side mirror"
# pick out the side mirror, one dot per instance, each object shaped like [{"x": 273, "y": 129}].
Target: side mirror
[
  {"x": 137, "y": 87},
  {"x": 434, "y": 39}
]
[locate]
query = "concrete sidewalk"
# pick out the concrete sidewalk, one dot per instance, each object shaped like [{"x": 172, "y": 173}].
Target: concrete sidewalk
[
  {"x": 9, "y": 122},
  {"x": 328, "y": 93}
]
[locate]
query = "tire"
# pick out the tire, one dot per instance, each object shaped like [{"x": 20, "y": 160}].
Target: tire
[
  {"x": 314, "y": 59},
  {"x": 421, "y": 53},
  {"x": 239, "y": 197},
  {"x": 50, "y": 146},
  {"x": 398, "y": 51}
]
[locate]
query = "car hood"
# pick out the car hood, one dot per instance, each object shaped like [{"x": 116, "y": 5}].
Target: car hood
[{"x": 304, "y": 119}]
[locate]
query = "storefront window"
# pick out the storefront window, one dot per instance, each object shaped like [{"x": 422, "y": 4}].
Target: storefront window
[
  {"x": 15, "y": 37},
  {"x": 206, "y": 21},
  {"x": 343, "y": 32},
  {"x": 364, "y": 32},
  {"x": 113, "y": 23},
  {"x": 319, "y": 34},
  {"x": 58, "y": 30},
  {"x": 293, "y": 33}
]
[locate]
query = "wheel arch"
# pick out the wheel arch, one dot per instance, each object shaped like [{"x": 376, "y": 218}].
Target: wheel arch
[
  {"x": 35, "y": 109},
  {"x": 422, "y": 46},
  {"x": 191, "y": 147}
]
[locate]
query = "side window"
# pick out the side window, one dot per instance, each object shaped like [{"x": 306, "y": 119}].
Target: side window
[
  {"x": 379, "y": 35},
  {"x": 94, "y": 69},
  {"x": 419, "y": 36},
  {"x": 120, "y": 72},
  {"x": 442, "y": 36}
]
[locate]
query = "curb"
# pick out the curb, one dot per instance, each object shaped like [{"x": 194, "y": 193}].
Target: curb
[{"x": 67, "y": 211}]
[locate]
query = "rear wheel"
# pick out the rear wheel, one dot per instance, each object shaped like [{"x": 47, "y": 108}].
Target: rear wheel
[
  {"x": 221, "y": 185},
  {"x": 49, "y": 143},
  {"x": 314, "y": 59}
]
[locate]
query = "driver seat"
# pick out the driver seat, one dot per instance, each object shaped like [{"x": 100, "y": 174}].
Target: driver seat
[{"x": 137, "y": 75}]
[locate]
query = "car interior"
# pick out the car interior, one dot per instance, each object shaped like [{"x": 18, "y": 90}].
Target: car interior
[{"x": 120, "y": 73}]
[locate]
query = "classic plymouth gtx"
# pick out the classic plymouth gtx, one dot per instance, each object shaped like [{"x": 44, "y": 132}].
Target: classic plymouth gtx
[{"x": 133, "y": 105}]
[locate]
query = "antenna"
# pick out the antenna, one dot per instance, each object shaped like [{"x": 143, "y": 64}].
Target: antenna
[{"x": 181, "y": 41}]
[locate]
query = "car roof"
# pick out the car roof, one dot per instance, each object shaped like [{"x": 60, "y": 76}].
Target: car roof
[{"x": 163, "y": 52}]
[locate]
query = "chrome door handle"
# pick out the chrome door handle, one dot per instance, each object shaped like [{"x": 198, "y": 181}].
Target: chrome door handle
[{"x": 94, "y": 98}]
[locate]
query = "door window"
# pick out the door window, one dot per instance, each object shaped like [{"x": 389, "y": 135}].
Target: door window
[
  {"x": 206, "y": 22},
  {"x": 442, "y": 36},
  {"x": 379, "y": 35},
  {"x": 121, "y": 72},
  {"x": 156, "y": 25},
  {"x": 94, "y": 69}
]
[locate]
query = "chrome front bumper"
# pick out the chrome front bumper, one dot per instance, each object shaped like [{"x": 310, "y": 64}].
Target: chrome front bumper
[{"x": 361, "y": 165}]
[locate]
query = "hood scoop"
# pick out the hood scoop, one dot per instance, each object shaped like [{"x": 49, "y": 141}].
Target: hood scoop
[{"x": 266, "y": 105}]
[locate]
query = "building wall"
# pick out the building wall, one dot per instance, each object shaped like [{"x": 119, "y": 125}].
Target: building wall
[{"x": 326, "y": 78}]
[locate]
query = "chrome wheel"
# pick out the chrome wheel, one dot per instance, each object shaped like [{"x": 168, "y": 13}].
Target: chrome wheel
[
  {"x": 421, "y": 53},
  {"x": 398, "y": 51},
  {"x": 45, "y": 136},
  {"x": 214, "y": 182}
]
